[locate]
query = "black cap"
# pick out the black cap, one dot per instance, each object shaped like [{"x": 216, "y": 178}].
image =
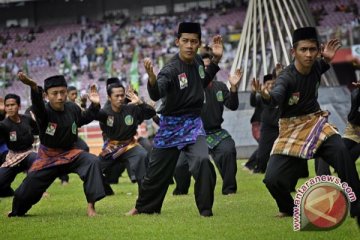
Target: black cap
[
  {"x": 54, "y": 81},
  {"x": 306, "y": 33},
  {"x": 268, "y": 77},
  {"x": 189, "y": 27},
  {"x": 111, "y": 81}
]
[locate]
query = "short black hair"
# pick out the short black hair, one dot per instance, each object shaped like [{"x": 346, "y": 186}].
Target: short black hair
[
  {"x": 13, "y": 96},
  {"x": 71, "y": 88},
  {"x": 113, "y": 85}
]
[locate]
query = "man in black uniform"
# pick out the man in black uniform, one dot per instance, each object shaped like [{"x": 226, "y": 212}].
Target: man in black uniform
[
  {"x": 220, "y": 143},
  {"x": 269, "y": 129},
  {"x": 17, "y": 131},
  {"x": 119, "y": 124},
  {"x": 303, "y": 128},
  {"x": 58, "y": 123},
  {"x": 180, "y": 85},
  {"x": 3, "y": 148}
]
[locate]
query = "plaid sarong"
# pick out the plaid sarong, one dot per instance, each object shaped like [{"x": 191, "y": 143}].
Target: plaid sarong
[
  {"x": 302, "y": 136},
  {"x": 352, "y": 132},
  {"x": 116, "y": 148},
  {"x": 14, "y": 158},
  {"x": 50, "y": 157},
  {"x": 215, "y": 137}
]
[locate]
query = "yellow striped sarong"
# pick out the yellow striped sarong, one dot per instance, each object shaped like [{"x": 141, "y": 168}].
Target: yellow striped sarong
[
  {"x": 352, "y": 132},
  {"x": 301, "y": 136}
]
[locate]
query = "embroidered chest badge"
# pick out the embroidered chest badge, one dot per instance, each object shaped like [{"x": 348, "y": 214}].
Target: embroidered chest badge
[
  {"x": 183, "y": 81},
  {"x": 220, "y": 96},
  {"x": 51, "y": 128},
  {"x": 129, "y": 120},
  {"x": 110, "y": 121},
  {"x": 12, "y": 136},
  {"x": 294, "y": 99},
  {"x": 74, "y": 128},
  {"x": 201, "y": 71}
]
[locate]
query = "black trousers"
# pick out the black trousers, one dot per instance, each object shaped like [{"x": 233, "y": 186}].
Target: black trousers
[
  {"x": 251, "y": 163},
  {"x": 8, "y": 174},
  {"x": 224, "y": 156},
  {"x": 268, "y": 136},
  {"x": 34, "y": 185},
  {"x": 282, "y": 171},
  {"x": 81, "y": 144},
  {"x": 322, "y": 168},
  {"x": 134, "y": 159},
  {"x": 161, "y": 170}
]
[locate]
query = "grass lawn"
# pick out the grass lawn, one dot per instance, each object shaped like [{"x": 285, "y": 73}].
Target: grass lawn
[{"x": 249, "y": 214}]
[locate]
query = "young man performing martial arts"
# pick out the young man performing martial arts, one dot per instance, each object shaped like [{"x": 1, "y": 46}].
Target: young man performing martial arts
[
  {"x": 58, "y": 122},
  {"x": 18, "y": 132},
  {"x": 180, "y": 85},
  {"x": 119, "y": 124},
  {"x": 303, "y": 128}
]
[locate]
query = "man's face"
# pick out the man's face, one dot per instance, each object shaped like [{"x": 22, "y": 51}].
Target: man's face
[
  {"x": 269, "y": 84},
  {"x": 72, "y": 95},
  {"x": 11, "y": 107},
  {"x": 188, "y": 45},
  {"x": 305, "y": 53},
  {"x": 57, "y": 97},
  {"x": 117, "y": 97}
]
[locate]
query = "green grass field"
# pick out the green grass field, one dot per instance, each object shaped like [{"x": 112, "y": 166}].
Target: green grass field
[{"x": 249, "y": 214}]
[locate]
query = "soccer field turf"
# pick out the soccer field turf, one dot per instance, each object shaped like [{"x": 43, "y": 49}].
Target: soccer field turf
[{"x": 249, "y": 214}]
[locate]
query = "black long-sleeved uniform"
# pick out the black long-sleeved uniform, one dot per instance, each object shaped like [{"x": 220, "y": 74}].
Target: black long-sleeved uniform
[
  {"x": 18, "y": 136},
  {"x": 59, "y": 129},
  {"x": 296, "y": 94},
  {"x": 354, "y": 114},
  {"x": 178, "y": 85},
  {"x": 254, "y": 102},
  {"x": 217, "y": 95},
  {"x": 122, "y": 125}
]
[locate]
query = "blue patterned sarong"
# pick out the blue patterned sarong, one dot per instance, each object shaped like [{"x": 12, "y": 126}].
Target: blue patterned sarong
[{"x": 178, "y": 131}]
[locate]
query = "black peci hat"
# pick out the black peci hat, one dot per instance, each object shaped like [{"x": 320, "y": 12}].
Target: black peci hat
[
  {"x": 54, "y": 81},
  {"x": 189, "y": 27},
  {"x": 268, "y": 77},
  {"x": 305, "y": 33}
]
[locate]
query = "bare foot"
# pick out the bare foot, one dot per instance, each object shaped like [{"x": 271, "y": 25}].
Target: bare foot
[
  {"x": 91, "y": 210},
  {"x": 132, "y": 212},
  {"x": 45, "y": 195},
  {"x": 282, "y": 215}
]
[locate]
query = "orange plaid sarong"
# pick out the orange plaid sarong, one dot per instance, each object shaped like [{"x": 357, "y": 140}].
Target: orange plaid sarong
[
  {"x": 352, "y": 132},
  {"x": 50, "y": 157},
  {"x": 14, "y": 158},
  {"x": 302, "y": 136},
  {"x": 117, "y": 148}
]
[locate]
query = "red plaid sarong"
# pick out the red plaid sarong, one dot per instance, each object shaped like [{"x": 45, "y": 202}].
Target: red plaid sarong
[
  {"x": 14, "y": 158},
  {"x": 116, "y": 148},
  {"x": 50, "y": 157}
]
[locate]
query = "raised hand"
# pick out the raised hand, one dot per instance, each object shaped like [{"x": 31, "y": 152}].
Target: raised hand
[
  {"x": 217, "y": 48},
  {"x": 93, "y": 95},
  {"x": 26, "y": 80},
  {"x": 235, "y": 79},
  {"x": 255, "y": 86},
  {"x": 278, "y": 68},
  {"x": 330, "y": 48},
  {"x": 150, "y": 70},
  {"x": 134, "y": 99}
]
